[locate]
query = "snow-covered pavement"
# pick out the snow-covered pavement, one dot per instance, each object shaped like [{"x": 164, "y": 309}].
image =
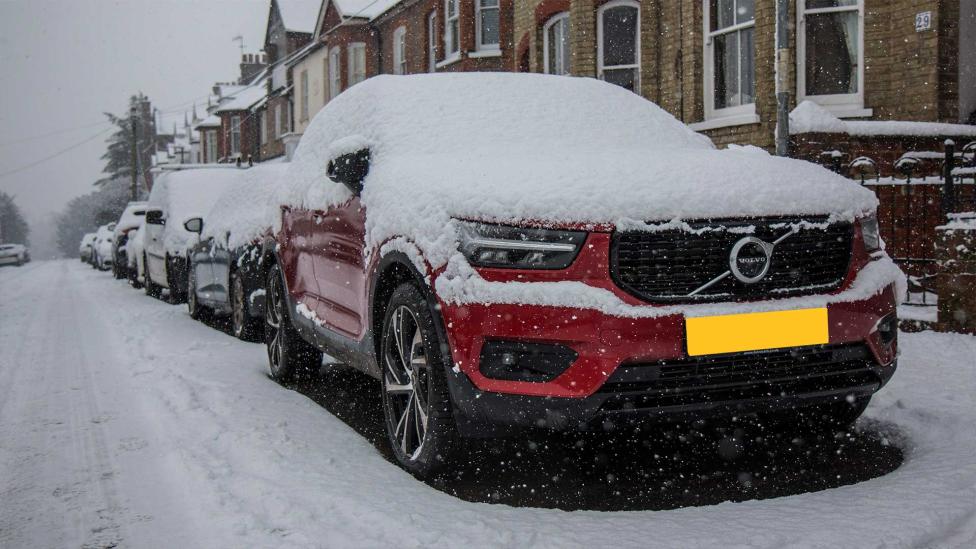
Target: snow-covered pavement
[{"x": 124, "y": 423}]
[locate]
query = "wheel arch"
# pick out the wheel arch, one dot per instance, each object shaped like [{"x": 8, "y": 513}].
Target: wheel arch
[{"x": 393, "y": 269}]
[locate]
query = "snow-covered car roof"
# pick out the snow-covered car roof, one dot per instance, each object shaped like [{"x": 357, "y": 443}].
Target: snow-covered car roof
[
  {"x": 131, "y": 217},
  {"x": 512, "y": 148},
  {"x": 186, "y": 194},
  {"x": 105, "y": 231},
  {"x": 237, "y": 217},
  {"x": 8, "y": 247},
  {"x": 88, "y": 238}
]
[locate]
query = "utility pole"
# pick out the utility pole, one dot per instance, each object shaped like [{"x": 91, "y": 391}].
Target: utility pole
[
  {"x": 782, "y": 72},
  {"x": 134, "y": 190}
]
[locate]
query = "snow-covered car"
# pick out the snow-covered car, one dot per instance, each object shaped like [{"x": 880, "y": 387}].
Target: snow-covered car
[
  {"x": 512, "y": 251},
  {"x": 129, "y": 221},
  {"x": 135, "y": 254},
  {"x": 102, "y": 247},
  {"x": 177, "y": 197},
  {"x": 85, "y": 248},
  {"x": 225, "y": 274},
  {"x": 14, "y": 254}
]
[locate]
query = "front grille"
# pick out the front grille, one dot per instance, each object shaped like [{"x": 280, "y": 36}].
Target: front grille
[
  {"x": 742, "y": 376},
  {"x": 666, "y": 266}
]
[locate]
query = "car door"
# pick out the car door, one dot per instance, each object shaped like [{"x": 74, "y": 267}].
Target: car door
[
  {"x": 340, "y": 267},
  {"x": 299, "y": 231},
  {"x": 155, "y": 255}
]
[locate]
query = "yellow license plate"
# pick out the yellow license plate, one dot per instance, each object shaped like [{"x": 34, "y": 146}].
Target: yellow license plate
[{"x": 712, "y": 335}]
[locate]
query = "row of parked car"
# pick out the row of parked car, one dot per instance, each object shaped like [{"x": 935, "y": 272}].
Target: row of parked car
[{"x": 508, "y": 252}]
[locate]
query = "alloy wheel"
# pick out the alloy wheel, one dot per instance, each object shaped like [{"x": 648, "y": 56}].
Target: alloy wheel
[
  {"x": 274, "y": 335},
  {"x": 406, "y": 382}
]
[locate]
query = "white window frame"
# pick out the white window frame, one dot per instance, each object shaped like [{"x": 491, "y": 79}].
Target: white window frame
[
  {"x": 452, "y": 32},
  {"x": 335, "y": 72},
  {"x": 211, "y": 151},
  {"x": 478, "y": 8},
  {"x": 304, "y": 95},
  {"x": 400, "y": 50},
  {"x": 600, "y": 67},
  {"x": 841, "y": 104},
  {"x": 432, "y": 41},
  {"x": 352, "y": 50},
  {"x": 739, "y": 114},
  {"x": 235, "y": 135},
  {"x": 553, "y": 21}
]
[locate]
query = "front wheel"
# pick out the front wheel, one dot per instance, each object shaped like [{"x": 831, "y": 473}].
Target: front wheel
[
  {"x": 245, "y": 326},
  {"x": 196, "y": 310},
  {"x": 416, "y": 400},
  {"x": 289, "y": 356}
]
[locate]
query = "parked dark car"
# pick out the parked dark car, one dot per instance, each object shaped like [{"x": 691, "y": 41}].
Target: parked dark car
[
  {"x": 129, "y": 221},
  {"x": 225, "y": 275}
]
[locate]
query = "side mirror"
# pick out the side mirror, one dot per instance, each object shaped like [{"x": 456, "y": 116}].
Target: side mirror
[
  {"x": 194, "y": 225},
  {"x": 155, "y": 217},
  {"x": 350, "y": 170}
]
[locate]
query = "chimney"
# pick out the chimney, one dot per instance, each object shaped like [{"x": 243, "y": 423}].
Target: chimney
[{"x": 251, "y": 65}]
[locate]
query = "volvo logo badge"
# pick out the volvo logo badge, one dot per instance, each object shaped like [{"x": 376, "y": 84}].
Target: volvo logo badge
[{"x": 750, "y": 259}]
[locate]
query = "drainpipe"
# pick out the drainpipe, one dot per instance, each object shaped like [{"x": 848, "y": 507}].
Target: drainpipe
[{"x": 782, "y": 72}]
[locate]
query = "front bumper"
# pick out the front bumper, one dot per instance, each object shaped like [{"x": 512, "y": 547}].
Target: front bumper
[{"x": 622, "y": 368}]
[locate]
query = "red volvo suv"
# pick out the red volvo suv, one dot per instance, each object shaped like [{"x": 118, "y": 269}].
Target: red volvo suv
[{"x": 511, "y": 251}]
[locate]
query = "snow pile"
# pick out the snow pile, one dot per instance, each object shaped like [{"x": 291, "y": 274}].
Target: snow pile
[
  {"x": 238, "y": 216},
  {"x": 514, "y": 147},
  {"x": 186, "y": 194},
  {"x": 368, "y": 9},
  {"x": 809, "y": 117}
]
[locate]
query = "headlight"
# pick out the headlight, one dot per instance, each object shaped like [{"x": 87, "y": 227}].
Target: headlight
[
  {"x": 870, "y": 233},
  {"x": 517, "y": 247}
]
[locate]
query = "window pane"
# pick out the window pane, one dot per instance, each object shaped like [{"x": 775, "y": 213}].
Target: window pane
[
  {"x": 564, "y": 40},
  {"x": 726, "y": 70},
  {"x": 558, "y": 44},
  {"x": 451, "y": 8},
  {"x": 815, "y": 4},
  {"x": 722, "y": 14},
  {"x": 489, "y": 27},
  {"x": 747, "y": 68},
  {"x": 625, "y": 78},
  {"x": 620, "y": 36},
  {"x": 489, "y": 3},
  {"x": 744, "y": 11},
  {"x": 453, "y": 45},
  {"x": 832, "y": 43}
]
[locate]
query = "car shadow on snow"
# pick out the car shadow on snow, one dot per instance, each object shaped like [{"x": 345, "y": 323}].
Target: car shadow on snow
[{"x": 663, "y": 468}]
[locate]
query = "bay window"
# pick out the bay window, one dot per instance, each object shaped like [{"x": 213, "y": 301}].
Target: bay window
[
  {"x": 556, "y": 46},
  {"x": 357, "y": 63},
  {"x": 730, "y": 54},
  {"x": 400, "y": 51},
  {"x": 830, "y": 55},
  {"x": 486, "y": 24},
  {"x": 618, "y": 43},
  {"x": 452, "y": 29}
]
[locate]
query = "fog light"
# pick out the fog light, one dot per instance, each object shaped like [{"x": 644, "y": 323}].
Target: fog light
[
  {"x": 518, "y": 361},
  {"x": 888, "y": 329}
]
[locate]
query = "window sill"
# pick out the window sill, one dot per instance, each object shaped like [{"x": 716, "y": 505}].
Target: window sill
[
  {"x": 725, "y": 122},
  {"x": 850, "y": 112},
  {"x": 485, "y": 53},
  {"x": 449, "y": 61}
]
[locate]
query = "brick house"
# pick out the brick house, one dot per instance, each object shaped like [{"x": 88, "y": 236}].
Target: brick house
[
  {"x": 357, "y": 39},
  {"x": 289, "y": 29},
  {"x": 712, "y": 63},
  {"x": 239, "y": 123}
]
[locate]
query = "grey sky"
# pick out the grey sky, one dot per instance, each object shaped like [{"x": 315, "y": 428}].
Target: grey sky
[{"x": 66, "y": 62}]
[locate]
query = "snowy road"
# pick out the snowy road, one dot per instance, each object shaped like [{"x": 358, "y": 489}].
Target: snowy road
[{"x": 124, "y": 423}]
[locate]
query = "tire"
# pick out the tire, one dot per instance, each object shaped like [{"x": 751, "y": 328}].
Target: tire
[
  {"x": 152, "y": 290},
  {"x": 117, "y": 271},
  {"x": 289, "y": 356},
  {"x": 196, "y": 310},
  {"x": 176, "y": 294},
  {"x": 415, "y": 385},
  {"x": 244, "y": 326}
]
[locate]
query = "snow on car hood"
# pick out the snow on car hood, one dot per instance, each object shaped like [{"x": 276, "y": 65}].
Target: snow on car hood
[
  {"x": 186, "y": 194},
  {"x": 237, "y": 217},
  {"x": 511, "y": 148}
]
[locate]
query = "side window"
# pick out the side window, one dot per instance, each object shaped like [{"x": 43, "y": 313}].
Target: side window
[
  {"x": 730, "y": 69},
  {"x": 830, "y": 56},
  {"x": 452, "y": 29},
  {"x": 486, "y": 24},
  {"x": 357, "y": 63},
  {"x": 556, "y": 44},
  {"x": 400, "y": 51}
]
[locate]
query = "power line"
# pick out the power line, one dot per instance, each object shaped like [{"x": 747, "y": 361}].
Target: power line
[
  {"x": 53, "y": 133},
  {"x": 57, "y": 154}
]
